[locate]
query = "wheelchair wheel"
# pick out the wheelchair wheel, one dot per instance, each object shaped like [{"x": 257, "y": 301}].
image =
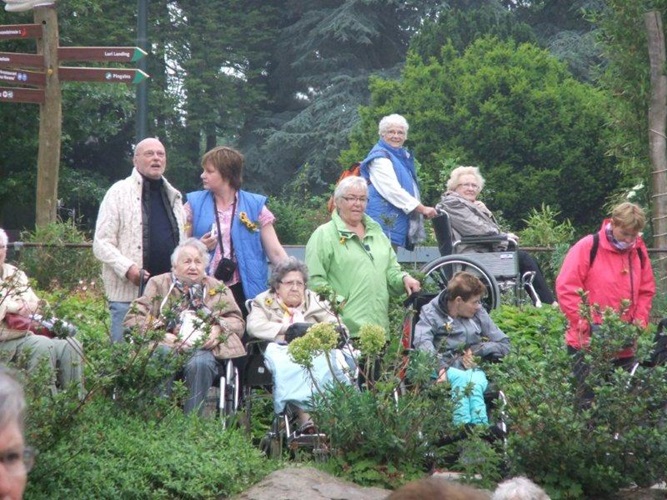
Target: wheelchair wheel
[
  {"x": 229, "y": 393},
  {"x": 438, "y": 272}
]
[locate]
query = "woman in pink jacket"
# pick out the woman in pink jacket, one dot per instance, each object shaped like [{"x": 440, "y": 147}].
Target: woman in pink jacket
[{"x": 612, "y": 266}]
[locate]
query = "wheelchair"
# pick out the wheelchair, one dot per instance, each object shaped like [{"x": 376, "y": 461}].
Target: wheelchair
[
  {"x": 228, "y": 383},
  {"x": 495, "y": 399},
  {"x": 283, "y": 432},
  {"x": 499, "y": 270}
]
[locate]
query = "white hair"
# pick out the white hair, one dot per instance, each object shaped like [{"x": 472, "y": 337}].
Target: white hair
[
  {"x": 519, "y": 488},
  {"x": 458, "y": 172},
  {"x": 354, "y": 181},
  {"x": 194, "y": 243},
  {"x": 390, "y": 120}
]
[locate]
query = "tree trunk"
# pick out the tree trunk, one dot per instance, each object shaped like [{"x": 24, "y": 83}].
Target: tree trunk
[
  {"x": 657, "y": 119},
  {"x": 50, "y": 120}
]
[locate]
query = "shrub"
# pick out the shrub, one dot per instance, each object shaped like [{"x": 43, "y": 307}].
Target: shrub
[
  {"x": 112, "y": 454},
  {"x": 66, "y": 259},
  {"x": 620, "y": 440}
]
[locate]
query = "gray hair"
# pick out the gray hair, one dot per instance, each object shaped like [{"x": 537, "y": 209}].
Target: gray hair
[
  {"x": 193, "y": 243},
  {"x": 4, "y": 239},
  {"x": 12, "y": 399},
  {"x": 354, "y": 181},
  {"x": 519, "y": 488},
  {"x": 458, "y": 172},
  {"x": 283, "y": 268},
  {"x": 390, "y": 120}
]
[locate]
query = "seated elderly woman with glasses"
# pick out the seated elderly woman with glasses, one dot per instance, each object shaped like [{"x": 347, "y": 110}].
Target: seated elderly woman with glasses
[
  {"x": 470, "y": 217},
  {"x": 16, "y": 459},
  {"x": 285, "y": 311}
]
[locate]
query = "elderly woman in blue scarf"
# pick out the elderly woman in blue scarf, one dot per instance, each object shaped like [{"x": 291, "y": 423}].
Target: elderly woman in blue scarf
[{"x": 393, "y": 189}]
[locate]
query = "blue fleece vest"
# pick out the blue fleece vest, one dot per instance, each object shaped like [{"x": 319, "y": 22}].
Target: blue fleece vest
[
  {"x": 395, "y": 223},
  {"x": 248, "y": 250}
]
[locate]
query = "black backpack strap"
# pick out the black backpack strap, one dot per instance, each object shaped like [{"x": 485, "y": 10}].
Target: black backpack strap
[
  {"x": 594, "y": 252},
  {"x": 594, "y": 249}
]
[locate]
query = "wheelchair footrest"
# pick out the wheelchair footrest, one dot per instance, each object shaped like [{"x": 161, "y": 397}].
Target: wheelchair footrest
[{"x": 296, "y": 439}]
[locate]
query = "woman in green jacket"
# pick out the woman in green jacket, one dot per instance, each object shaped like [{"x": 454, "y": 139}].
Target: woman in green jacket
[{"x": 353, "y": 256}]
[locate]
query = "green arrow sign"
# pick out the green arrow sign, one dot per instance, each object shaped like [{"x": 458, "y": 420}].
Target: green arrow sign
[{"x": 102, "y": 75}]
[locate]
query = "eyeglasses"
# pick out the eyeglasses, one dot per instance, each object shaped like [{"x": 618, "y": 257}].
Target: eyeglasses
[
  {"x": 470, "y": 185},
  {"x": 293, "y": 284},
  {"x": 17, "y": 463},
  {"x": 149, "y": 154},
  {"x": 356, "y": 199}
]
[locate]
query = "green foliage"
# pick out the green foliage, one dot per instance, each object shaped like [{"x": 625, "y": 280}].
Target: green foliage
[
  {"x": 511, "y": 109},
  {"x": 64, "y": 261},
  {"x": 621, "y": 439},
  {"x": 544, "y": 230},
  {"x": 137, "y": 444},
  {"x": 298, "y": 211},
  {"x": 112, "y": 454}
]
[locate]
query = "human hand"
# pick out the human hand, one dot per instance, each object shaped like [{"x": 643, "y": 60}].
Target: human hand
[
  {"x": 442, "y": 376},
  {"x": 133, "y": 274},
  {"x": 468, "y": 359},
  {"x": 513, "y": 236},
  {"x": 209, "y": 240},
  {"x": 411, "y": 285},
  {"x": 428, "y": 212},
  {"x": 213, "y": 338}
]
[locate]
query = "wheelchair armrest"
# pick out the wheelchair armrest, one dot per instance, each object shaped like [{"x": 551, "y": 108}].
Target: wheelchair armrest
[{"x": 488, "y": 240}]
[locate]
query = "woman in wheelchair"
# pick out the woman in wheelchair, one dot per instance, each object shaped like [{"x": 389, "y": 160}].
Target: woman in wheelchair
[
  {"x": 455, "y": 328},
  {"x": 280, "y": 314},
  {"x": 470, "y": 217},
  {"x": 198, "y": 315}
]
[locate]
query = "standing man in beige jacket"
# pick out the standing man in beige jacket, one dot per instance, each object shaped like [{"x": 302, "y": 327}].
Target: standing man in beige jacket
[{"x": 140, "y": 223}]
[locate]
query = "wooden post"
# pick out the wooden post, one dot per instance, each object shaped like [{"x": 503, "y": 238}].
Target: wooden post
[
  {"x": 657, "y": 121},
  {"x": 50, "y": 120}
]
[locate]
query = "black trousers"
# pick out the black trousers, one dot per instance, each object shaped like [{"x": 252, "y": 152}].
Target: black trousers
[
  {"x": 580, "y": 369},
  {"x": 528, "y": 263}
]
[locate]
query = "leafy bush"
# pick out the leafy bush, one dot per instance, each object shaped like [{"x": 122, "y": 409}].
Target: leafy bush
[
  {"x": 66, "y": 259},
  {"x": 112, "y": 454},
  {"x": 544, "y": 230},
  {"x": 125, "y": 439},
  {"x": 620, "y": 440},
  {"x": 298, "y": 211}
]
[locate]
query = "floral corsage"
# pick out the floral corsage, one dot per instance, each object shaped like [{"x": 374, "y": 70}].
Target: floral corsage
[{"x": 252, "y": 226}]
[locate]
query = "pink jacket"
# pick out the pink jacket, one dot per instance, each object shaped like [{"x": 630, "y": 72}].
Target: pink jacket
[{"x": 614, "y": 276}]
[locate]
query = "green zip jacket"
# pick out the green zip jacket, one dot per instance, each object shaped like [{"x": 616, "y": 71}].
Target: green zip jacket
[{"x": 362, "y": 273}]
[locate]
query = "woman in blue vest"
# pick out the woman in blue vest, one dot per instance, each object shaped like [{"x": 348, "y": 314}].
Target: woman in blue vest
[
  {"x": 235, "y": 225},
  {"x": 393, "y": 191}
]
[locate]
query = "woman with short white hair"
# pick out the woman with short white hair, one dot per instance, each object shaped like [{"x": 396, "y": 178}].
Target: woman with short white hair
[
  {"x": 198, "y": 315},
  {"x": 469, "y": 216},
  {"x": 393, "y": 192}
]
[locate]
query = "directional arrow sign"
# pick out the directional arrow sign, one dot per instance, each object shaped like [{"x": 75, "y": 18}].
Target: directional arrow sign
[
  {"x": 35, "y": 96},
  {"x": 101, "y": 54},
  {"x": 23, "y": 77},
  {"x": 104, "y": 75},
  {"x": 12, "y": 59},
  {"x": 9, "y": 31}
]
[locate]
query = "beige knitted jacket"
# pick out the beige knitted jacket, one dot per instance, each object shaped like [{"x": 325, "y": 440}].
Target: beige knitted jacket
[{"x": 118, "y": 239}]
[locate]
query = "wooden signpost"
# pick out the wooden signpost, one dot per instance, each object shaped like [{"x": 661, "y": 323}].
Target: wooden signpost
[
  {"x": 22, "y": 95},
  {"x": 8, "y": 32},
  {"x": 46, "y": 73},
  {"x": 23, "y": 77}
]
